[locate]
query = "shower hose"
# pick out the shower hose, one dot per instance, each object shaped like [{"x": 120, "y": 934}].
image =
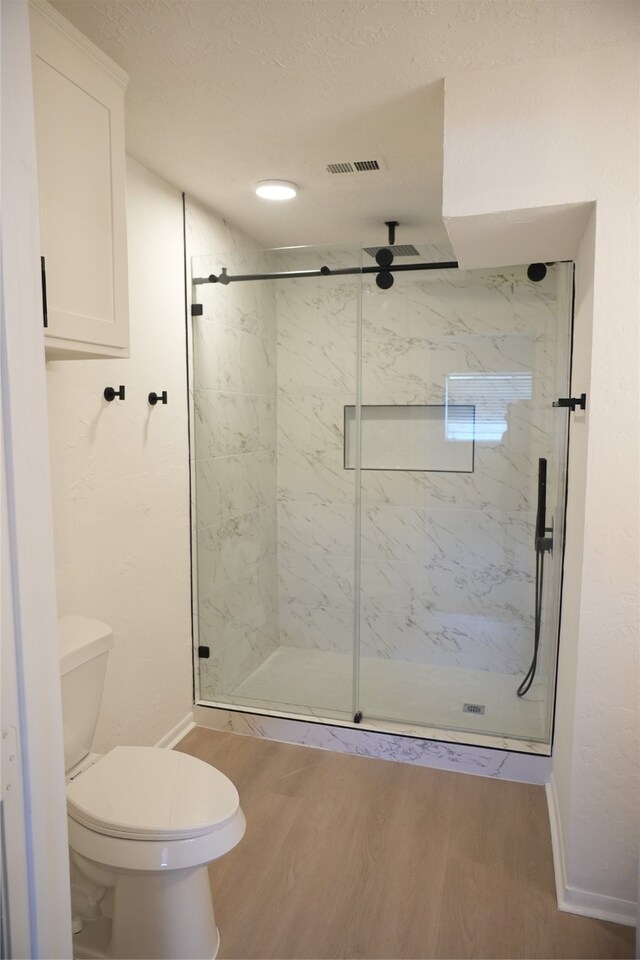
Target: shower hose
[{"x": 531, "y": 672}]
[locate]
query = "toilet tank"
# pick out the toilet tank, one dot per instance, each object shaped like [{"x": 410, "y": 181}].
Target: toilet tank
[{"x": 84, "y": 648}]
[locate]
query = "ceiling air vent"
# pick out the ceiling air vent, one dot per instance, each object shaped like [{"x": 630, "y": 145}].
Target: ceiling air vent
[
  {"x": 355, "y": 166},
  {"x": 362, "y": 165},
  {"x": 339, "y": 168}
]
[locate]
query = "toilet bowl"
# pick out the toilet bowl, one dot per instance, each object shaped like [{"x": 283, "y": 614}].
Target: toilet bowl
[{"x": 143, "y": 824}]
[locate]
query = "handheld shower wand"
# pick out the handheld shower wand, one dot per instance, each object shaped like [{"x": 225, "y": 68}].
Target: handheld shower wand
[{"x": 542, "y": 544}]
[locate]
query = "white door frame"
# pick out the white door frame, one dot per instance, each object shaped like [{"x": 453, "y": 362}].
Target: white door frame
[{"x": 35, "y": 904}]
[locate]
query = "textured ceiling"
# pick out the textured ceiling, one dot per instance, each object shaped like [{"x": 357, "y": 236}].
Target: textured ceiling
[{"x": 223, "y": 93}]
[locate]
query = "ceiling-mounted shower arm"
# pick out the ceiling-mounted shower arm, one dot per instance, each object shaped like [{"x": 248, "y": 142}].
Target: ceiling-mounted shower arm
[{"x": 391, "y": 225}]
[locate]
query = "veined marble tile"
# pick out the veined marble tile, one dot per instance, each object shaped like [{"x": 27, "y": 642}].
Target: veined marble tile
[
  {"x": 231, "y": 549},
  {"x": 510, "y": 480},
  {"x": 317, "y": 528},
  {"x": 235, "y": 253},
  {"x": 232, "y": 360},
  {"x": 244, "y": 306},
  {"x": 216, "y": 353},
  {"x": 316, "y": 364},
  {"x": 385, "y": 314},
  {"x": 478, "y": 302},
  {"x": 233, "y": 423},
  {"x": 313, "y": 257},
  {"x": 467, "y": 752},
  {"x": 315, "y": 579},
  {"x": 318, "y": 306},
  {"x": 239, "y": 622},
  {"x": 429, "y": 489},
  {"x": 320, "y": 628},
  {"x": 418, "y": 589},
  {"x": 236, "y": 307},
  {"x": 403, "y": 364},
  {"x": 469, "y": 641},
  {"x": 229, "y": 487},
  {"x": 311, "y": 422},
  {"x": 457, "y": 535},
  {"x": 268, "y": 422},
  {"x": 256, "y": 372},
  {"x": 315, "y": 477}
]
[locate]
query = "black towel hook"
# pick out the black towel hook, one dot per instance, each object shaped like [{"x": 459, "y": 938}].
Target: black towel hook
[{"x": 110, "y": 393}]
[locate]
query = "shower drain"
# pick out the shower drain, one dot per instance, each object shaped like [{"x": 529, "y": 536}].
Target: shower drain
[{"x": 473, "y": 708}]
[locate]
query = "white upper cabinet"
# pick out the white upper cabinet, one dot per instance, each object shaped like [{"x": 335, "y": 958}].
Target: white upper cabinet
[{"x": 79, "y": 111}]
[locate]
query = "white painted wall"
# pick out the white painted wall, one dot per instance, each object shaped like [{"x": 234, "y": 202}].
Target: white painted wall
[
  {"x": 554, "y": 132},
  {"x": 121, "y": 488}
]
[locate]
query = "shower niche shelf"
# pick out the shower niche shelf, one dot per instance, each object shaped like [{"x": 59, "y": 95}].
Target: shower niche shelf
[{"x": 413, "y": 437}]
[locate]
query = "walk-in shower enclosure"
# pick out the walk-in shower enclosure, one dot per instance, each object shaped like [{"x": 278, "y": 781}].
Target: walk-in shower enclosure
[{"x": 366, "y": 484}]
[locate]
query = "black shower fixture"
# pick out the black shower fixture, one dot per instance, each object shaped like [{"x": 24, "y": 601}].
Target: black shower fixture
[
  {"x": 397, "y": 249},
  {"x": 536, "y": 272},
  {"x": 384, "y": 279},
  {"x": 384, "y": 257}
]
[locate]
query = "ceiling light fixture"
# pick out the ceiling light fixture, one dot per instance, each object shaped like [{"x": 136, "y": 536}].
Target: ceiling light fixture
[{"x": 276, "y": 189}]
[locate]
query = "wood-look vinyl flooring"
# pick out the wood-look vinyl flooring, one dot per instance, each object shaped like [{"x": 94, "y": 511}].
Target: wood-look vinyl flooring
[{"x": 358, "y": 858}]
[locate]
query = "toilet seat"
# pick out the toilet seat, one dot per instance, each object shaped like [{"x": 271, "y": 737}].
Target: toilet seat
[
  {"x": 147, "y": 794},
  {"x": 154, "y": 856}
]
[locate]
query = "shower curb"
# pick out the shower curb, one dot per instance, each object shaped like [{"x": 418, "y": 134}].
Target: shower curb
[{"x": 502, "y": 764}]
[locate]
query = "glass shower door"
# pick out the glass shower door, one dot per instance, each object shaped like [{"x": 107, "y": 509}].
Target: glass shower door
[
  {"x": 459, "y": 370},
  {"x": 274, "y": 364}
]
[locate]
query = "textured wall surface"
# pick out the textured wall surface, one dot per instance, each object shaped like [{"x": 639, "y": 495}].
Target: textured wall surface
[
  {"x": 566, "y": 131},
  {"x": 233, "y": 457},
  {"x": 120, "y": 484}
]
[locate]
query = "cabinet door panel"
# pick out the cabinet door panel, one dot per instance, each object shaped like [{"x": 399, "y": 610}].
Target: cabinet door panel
[{"x": 79, "y": 133}]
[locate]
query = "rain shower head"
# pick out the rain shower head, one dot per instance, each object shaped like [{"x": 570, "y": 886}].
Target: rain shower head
[{"x": 398, "y": 250}]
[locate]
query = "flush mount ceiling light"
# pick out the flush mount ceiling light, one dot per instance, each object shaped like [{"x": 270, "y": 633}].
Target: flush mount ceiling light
[{"x": 276, "y": 189}]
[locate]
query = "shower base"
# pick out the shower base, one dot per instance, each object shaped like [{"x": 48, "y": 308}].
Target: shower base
[{"x": 397, "y": 696}]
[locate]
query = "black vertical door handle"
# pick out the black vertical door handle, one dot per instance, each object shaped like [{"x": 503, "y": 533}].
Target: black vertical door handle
[{"x": 43, "y": 276}]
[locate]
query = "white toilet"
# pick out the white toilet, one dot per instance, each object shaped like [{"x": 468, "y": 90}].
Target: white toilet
[{"x": 143, "y": 825}]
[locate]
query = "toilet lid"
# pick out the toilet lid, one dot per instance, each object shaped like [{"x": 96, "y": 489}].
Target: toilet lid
[{"x": 146, "y": 793}]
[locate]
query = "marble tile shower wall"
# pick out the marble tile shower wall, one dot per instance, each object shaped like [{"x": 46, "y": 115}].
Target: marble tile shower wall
[
  {"x": 447, "y": 558},
  {"x": 317, "y": 331},
  {"x": 234, "y": 404}
]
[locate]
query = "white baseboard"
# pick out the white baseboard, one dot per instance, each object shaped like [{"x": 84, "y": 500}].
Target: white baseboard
[
  {"x": 176, "y": 734},
  {"x": 557, "y": 846},
  {"x": 573, "y": 899},
  {"x": 599, "y": 907}
]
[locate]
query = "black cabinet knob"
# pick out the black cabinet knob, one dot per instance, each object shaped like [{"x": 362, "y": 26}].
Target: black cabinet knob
[{"x": 158, "y": 398}]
